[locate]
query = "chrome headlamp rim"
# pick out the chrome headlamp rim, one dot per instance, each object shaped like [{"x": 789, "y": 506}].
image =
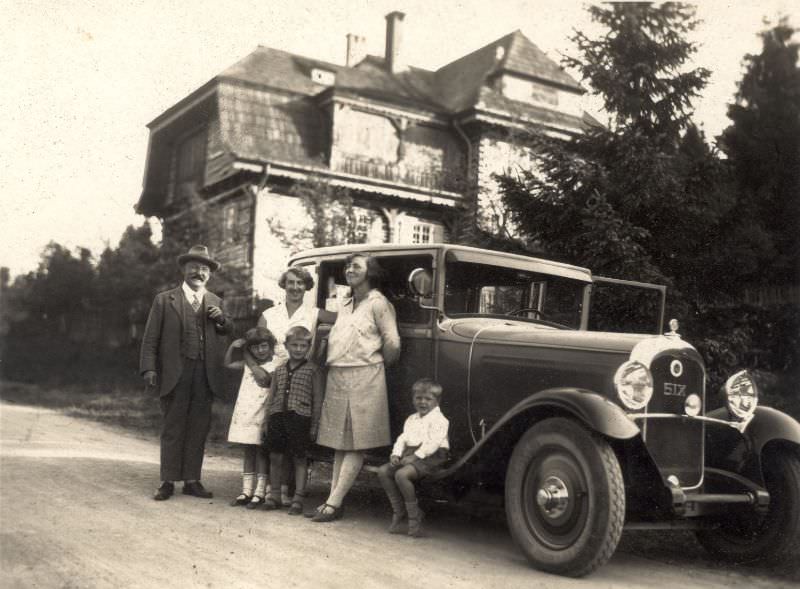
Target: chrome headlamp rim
[
  {"x": 733, "y": 391},
  {"x": 623, "y": 385}
]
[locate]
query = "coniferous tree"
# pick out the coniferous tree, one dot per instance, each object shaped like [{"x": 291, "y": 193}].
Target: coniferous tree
[
  {"x": 763, "y": 146},
  {"x": 624, "y": 199}
]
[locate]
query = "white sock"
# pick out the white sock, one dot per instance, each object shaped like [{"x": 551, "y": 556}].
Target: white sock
[
  {"x": 261, "y": 487},
  {"x": 247, "y": 483}
]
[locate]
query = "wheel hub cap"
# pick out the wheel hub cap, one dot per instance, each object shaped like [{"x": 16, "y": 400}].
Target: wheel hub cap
[{"x": 553, "y": 497}]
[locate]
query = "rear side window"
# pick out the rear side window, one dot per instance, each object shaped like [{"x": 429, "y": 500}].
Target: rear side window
[{"x": 485, "y": 289}]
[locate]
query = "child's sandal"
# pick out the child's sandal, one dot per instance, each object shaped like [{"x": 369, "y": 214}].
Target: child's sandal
[
  {"x": 242, "y": 499},
  {"x": 270, "y": 504},
  {"x": 255, "y": 502}
]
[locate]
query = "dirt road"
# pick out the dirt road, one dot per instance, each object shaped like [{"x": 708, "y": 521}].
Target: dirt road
[{"x": 76, "y": 511}]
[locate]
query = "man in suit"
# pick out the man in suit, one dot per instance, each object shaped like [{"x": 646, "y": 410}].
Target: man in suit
[{"x": 182, "y": 355}]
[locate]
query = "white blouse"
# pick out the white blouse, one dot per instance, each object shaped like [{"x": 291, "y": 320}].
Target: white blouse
[
  {"x": 279, "y": 322},
  {"x": 364, "y": 335}
]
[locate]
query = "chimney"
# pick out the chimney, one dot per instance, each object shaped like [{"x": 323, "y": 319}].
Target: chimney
[
  {"x": 394, "y": 42},
  {"x": 356, "y": 49}
]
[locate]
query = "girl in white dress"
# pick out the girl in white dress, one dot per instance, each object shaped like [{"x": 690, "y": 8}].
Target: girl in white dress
[{"x": 250, "y": 412}]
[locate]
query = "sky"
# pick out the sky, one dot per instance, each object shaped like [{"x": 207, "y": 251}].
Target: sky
[{"x": 82, "y": 78}]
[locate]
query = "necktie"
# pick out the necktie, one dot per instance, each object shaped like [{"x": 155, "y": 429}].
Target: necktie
[{"x": 195, "y": 303}]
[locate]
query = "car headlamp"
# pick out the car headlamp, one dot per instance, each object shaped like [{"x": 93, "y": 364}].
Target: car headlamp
[
  {"x": 634, "y": 384},
  {"x": 741, "y": 395}
]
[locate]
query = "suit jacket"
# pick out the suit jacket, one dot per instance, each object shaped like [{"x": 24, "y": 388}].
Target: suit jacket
[{"x": 163, "y": 336}]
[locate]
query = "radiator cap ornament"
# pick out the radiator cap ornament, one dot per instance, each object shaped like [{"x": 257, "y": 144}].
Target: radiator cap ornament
[{"x": 673, "y": 328}]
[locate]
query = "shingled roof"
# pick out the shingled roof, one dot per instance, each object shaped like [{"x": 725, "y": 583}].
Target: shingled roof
[
  {"x": 268, "y": 103},
  {"x": 460, "y": 82},
  {"x": 453, "y": 88}
]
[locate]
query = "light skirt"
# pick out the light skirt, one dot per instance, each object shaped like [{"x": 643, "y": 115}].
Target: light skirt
[{"x": 355, "y": 413}]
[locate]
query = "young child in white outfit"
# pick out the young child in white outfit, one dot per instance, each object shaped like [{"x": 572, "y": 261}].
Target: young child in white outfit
[
  {"x": 419, "y": 452},
  {"x": 250, "y": 412}
]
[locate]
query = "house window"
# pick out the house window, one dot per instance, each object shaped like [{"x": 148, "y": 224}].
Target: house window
[
  {"x": 421, "y": 233},
  {"x": 229, "y": 223}
]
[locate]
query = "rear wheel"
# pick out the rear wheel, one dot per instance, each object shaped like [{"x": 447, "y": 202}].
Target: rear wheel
[
  {"x": 565, "y": 497},
  {"x": 745, "y": 536}
]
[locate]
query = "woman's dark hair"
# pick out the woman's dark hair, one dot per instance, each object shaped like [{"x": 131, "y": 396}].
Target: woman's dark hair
[
  {"x": 301, "y": 273},
  {"x": 375, "y": 274},
  {"x": 259, "y": 335}
]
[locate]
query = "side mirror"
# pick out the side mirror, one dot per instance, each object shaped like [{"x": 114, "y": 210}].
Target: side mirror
[{"x": 420, "y": 283}]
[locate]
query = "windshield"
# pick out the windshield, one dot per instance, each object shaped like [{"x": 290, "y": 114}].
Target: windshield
[{"x": 484, "y": 289}]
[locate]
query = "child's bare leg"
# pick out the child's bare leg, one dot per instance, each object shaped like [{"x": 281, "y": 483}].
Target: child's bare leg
[
  {"x": 300, "y": 476},
  {"x": 386, "y": 478},
  {"x": 300, "y": 481},
  {"x": 275, "y": 467},
  {"x": 405, "y": 478},
  {"x": 249, "y": 463},
  {"x": 262, "y": 462},
  {"x": 287, "y": 479}
]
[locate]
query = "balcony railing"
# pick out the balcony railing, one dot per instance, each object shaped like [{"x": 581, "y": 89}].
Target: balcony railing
[{"x": 430, "y": 179}]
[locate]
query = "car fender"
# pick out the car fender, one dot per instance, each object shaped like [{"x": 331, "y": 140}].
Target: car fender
[
  {"x": 595, "y": 411},
  {"x": 729, "y": 450},
  {"x": 766, "y": 426}
]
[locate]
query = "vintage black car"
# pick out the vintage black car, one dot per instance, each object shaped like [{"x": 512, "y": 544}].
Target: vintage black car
[{"x": 587, "y": 432}]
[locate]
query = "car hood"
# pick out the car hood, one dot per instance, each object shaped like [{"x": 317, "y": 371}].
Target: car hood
[{"x": 511, "y": 332}]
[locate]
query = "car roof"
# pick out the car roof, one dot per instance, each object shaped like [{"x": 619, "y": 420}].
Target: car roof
[{"x": 461, "y": 252}]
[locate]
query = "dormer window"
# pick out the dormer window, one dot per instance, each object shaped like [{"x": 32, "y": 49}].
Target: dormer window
[
  {"x": 323, "y": 77},
  {"x": 529, "y": 91}
]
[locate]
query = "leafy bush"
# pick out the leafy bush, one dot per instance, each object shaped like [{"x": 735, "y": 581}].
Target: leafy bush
[{"x": 765, "y": 341}]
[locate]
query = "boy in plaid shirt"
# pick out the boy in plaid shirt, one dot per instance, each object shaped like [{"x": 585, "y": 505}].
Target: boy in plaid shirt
[{"x": 293, "y": 415}]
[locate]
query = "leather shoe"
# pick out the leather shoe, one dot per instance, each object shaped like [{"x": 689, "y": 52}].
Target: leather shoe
[
  {"x": 327, "y": 513},
  {"x": 164, "y": 492},
  {"x": 197, "y": 489}
]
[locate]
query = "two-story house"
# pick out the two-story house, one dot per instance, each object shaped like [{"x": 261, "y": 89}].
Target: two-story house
[{"x": 411, "y": 147}]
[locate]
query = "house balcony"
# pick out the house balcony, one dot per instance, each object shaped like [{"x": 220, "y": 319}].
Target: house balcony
[{"x": 422, "y": 178}]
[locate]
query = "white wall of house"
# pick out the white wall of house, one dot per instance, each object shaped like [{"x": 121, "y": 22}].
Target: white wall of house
[
  {"x": 278, "y": 219},
  {"x": 281, "y": 230}
]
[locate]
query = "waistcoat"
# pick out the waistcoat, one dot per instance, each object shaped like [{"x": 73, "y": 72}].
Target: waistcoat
[{"x": 193, "y": 331}]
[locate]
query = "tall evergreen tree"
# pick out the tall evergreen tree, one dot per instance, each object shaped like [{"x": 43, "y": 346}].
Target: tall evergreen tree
[
  {"x": 763, "y": 146},
  {"x": 625, "y": 199}
]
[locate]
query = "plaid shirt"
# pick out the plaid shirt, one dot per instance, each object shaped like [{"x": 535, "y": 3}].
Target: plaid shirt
[{"x": 293, "y": 389}]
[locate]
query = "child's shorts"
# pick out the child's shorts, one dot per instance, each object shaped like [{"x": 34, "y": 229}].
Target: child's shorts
[
  {"x": 288, "y": 433},
  {"x": 425, "y": 467}
]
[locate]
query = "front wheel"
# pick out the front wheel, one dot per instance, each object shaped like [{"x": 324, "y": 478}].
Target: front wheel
[
  {"x": 565, "y": 497},
  {"x": 744, "y": 536}
]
